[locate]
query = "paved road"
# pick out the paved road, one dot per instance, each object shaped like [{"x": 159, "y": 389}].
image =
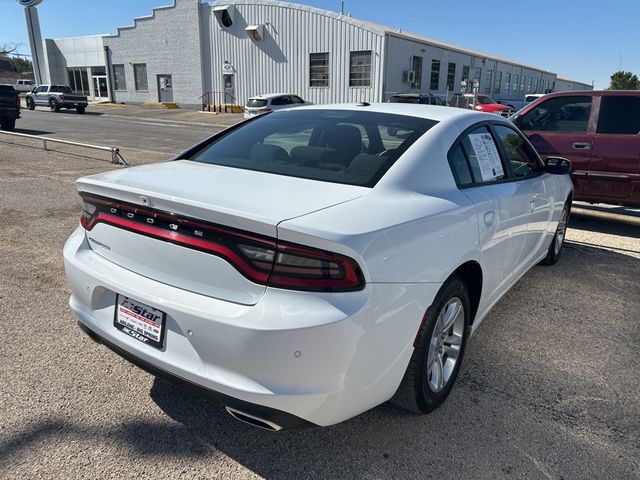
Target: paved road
[
  {"x": 132, "y": 128},
  {"x": 548, "y": 389}
]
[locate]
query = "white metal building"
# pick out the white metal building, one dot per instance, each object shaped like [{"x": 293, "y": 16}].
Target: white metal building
[{"x": 226, "y": 51}]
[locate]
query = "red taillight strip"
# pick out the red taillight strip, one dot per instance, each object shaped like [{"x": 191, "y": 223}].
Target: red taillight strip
[
  {"x": 351, "y": 276},
  {"x": 183, "y": 240},
  {"x": 350, "y": 281},
  {"x": 170, "y": 217}
]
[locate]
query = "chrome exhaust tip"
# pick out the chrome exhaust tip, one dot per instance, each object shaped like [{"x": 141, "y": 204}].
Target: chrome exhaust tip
[{"x": 253, "y": 420}]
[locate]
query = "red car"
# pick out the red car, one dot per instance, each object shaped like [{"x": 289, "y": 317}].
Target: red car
[
  {"x": 599, "y": 131},
  {"x": 481, "y": 103}
]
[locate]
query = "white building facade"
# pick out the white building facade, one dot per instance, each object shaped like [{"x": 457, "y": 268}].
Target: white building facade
[{"x": 194, "y": 53}]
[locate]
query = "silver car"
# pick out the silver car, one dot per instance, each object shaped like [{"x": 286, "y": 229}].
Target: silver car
[{"x": 274, "y": 101}]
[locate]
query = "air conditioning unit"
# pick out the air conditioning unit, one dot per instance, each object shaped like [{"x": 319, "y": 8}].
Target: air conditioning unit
[{"x": 408, "y": 76}]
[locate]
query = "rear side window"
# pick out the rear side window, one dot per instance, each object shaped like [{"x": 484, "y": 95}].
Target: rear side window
[
  {"x": 339, "y": 146},
  {"x": 256, "y": 103},
  {"x": 619, "y": 115},
  {"x": 480, "y": 152},
  {"x": 559, "y": 114}
]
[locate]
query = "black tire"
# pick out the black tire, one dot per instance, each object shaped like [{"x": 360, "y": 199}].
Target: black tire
[
  {"x": 555, "y": 249},
  {"x": 31, "y": 104},
  {"x": 54, "y": 106},
  {"x": 80, "y": 109},
  {"x": 8, "y": 124},
  {"x": 415, "y": 393}
]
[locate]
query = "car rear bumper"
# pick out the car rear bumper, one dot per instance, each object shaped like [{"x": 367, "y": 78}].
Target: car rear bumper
[{"x": 298, "y": 358}]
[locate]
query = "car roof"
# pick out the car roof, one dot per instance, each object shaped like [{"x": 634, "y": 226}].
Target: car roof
[
  {"x": 432, "y": 112},
  {"x": 269, "y": 96}
]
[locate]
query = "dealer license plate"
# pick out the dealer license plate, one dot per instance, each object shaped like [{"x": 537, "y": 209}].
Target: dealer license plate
[{"x": 140, "y": 321}]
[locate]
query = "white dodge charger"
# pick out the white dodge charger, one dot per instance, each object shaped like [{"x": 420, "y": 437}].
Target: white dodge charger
[{"x": 309, "y": 264}]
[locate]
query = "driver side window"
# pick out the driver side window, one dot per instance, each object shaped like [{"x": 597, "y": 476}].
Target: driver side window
[{"x": 559, "y": 114}]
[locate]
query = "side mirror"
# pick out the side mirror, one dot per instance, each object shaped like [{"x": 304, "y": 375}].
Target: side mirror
[{"x": 558, "y": 166}]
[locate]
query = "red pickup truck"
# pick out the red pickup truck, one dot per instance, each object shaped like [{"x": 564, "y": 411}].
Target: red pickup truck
[{"x": 599, "y": 131}]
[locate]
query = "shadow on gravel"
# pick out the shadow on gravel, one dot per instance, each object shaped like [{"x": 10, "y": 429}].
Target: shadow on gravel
[
  {"x": 524, "y": 388},
  {"x": 611, "y": 226}
]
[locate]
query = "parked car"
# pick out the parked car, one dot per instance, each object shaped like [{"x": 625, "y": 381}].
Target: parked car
[
  {"x": 316, "y": 262},
  {"x": 56, "y": 97},
  {"x": 23, "y": 85},
  {"x": 274, "y": 101},
  {"x": 421, "y": 98},
  {"x": 481, "y": 103},
  {"x": 599, "y": 131},
  {"x": 9, "y": 107}
]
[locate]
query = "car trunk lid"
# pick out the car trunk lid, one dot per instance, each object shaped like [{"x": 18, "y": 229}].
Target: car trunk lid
[{"x": 160, "y": 218}]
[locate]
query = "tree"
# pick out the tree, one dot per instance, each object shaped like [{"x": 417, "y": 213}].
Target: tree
[
  {"x": 7, "y": 48},
  {"x": 624, "y": 81}
]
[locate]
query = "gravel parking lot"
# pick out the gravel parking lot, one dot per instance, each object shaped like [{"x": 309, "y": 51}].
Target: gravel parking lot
[{"x": 548, "y": 388}]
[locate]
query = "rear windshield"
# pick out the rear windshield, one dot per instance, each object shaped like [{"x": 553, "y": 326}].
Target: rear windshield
[
  {"x": 256, "y": 103},
  {"x": 339, "y": 146},
  {"x": 7, "y": 88}
]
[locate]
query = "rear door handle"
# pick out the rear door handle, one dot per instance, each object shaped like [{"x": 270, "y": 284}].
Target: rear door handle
[{"x": 581, "y": 146}]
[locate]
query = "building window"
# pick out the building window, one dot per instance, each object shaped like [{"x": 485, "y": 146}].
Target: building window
[
  {"x": 487, "y": 88},
  {"x": 464, "y": 82},
  {"x": 120, "y": 82},
  {"x": 360, "y": 69},
  {"x": 98, "y": 71},
  {"x": 140, "y": 76},
  {"x": 416, "y": 66},
  {"x": 318, "y": 69},
  {"x": 535, "y": 85},
  {"x": 498, "y": 83},
  {"x": 451, "y": 75},
  {"x": 435, "y": 75},
  {"x": 529, "y": 84},
  {"x": 516, "y": 81},
  {"x": 78, "y": 80},
  {"x": 522, "y": 82},
  {"x": 507, "y": 83}
]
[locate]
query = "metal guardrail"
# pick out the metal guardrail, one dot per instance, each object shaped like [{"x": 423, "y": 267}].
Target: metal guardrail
[{"x": 116, "y": 156}]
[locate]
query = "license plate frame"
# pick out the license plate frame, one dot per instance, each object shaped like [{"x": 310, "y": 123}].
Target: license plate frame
[{"x": 138, "y": 320}]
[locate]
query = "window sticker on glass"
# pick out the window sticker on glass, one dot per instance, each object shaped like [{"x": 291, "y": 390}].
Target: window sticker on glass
[{"x": 487, "y": 155}]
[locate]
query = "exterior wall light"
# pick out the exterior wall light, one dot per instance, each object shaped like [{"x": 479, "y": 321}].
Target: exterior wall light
[
  {"x": 224, "y": 15},
  {"x": 255, "y": 32}
]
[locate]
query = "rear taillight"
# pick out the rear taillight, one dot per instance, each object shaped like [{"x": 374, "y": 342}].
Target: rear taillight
[
  {"x": 261, "y": 259},
  {"x": 18, "y": 102}
]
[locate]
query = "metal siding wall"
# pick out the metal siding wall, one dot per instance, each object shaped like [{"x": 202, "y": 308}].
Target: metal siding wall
[
  {"x": 280, "y": 63},
  {"x": 400, "y": 50}
]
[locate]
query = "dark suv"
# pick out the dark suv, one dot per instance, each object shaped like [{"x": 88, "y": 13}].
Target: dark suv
[{"x": 599, "y": 131}]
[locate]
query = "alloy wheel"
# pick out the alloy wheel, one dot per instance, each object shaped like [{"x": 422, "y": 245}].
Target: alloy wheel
[{"x": 446, "y": 342}]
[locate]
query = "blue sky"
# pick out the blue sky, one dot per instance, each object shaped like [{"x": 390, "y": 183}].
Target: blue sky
[{"x": 586, "y": 43}]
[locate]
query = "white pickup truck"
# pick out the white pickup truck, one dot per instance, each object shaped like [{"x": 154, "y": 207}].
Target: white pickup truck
[
  {"x": 56, "y": 97},
  {"x": 23, "y": 85}
]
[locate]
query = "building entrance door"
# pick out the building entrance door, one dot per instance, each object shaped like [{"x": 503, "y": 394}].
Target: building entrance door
[
  {"x": 100, "y": 87},
  {"x": 165, "y": 88}
]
